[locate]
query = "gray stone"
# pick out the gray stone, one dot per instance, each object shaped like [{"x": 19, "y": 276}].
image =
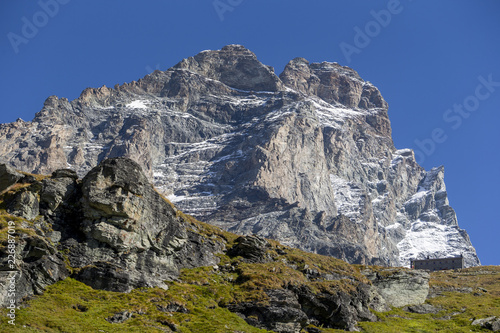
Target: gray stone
[
  {"x": 490, "y": 323},
  {"x": 398, "y": 287},
  {"x": 339, "y": 310},
  {"x": 422, "y": 309},
  {"x": 283, "y": 314},
  {"x": 56, "y": 191},
  {"x": 38, "y": 265},
  {"x": 25, "y": 204},
  {"x": 172, "y": 307},
  {"x": 134, "y": 237},
  {"x": 8, "y": 176},
  {"x": 119, "y": 317},
  {"x": 252, "y": 248}
]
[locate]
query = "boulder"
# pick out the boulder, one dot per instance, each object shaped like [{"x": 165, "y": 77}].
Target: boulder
[
  {"x": 251, "y": 248},
  {"x": 490, "y": 323},
  {"x": 340, "y": 310},
  {"x": 8, "y": 176},
  {"x": 24, "y": 204},
  {"x": 133, "y": 237},
  {"x": 282, "y": 314},
  {"x": 399, "y": 286}
]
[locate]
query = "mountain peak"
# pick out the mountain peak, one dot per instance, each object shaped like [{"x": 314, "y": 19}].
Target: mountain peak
[
  {"x": 333, "y": 83},
  {"x": 235, "y": 66}
]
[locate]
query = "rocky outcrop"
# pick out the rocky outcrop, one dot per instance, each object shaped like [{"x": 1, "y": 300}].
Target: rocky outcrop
[
  {"x": 38, "y": 264},
  {"x": 282, "y": 314},
  {"x": 289, "y": 311},
  {"x": 111, "y": 230},
  {"x": 490, "y": 323},
  {"x": 333, "y": 83},
  {"x": 306, "y": 158},
  {"x": 338, "y": 310},
  {"x": 251, "y": 248},
  {"x": 397, "y": 287},
  {"x": 133, "y": 236},
  {"x": 8, "y": 176}
]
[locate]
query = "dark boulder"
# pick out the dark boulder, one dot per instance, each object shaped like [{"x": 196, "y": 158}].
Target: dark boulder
[
  {"x": 8, "y": 176},
  {"x": 251, "y": 248}
]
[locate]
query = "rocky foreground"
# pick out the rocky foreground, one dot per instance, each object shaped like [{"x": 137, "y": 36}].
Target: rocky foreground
[
  {"x": 109, "y": 253},
  {"x": 111, "y": 230},
  {"x": 305, "y": 158}
]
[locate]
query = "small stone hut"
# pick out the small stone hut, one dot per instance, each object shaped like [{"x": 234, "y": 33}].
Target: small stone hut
[{"x": 438, "y": 263}]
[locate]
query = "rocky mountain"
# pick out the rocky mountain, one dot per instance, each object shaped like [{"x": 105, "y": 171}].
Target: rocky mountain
[
  {"x": 109, "y": 253},
  {"x": 306, "y": 158},
  {"x": 113, "y": 231}
]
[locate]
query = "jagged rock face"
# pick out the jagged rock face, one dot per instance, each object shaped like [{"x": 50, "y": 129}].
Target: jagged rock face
[
  {"x": 234, "y": 66},
  {"x": 133, "y": 236},
  {"x": 38, "y": 265},
  {"x": 116, "y": 231},
  {"x": 332, "y": 83},
  {"x": 306, "y": 158}
]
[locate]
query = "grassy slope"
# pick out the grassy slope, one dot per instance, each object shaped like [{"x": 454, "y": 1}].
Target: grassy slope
[
  {"x": 70, "y": 306},
  {"x": 458, "y": 308}
]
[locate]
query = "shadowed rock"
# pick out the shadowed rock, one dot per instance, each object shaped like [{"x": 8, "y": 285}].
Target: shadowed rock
[
  {"x": 116, "y": 231},
  {"x": 490, "y": 323},
  {"x": 252, "y": 248},
  {"x": 8, "y": 176}
]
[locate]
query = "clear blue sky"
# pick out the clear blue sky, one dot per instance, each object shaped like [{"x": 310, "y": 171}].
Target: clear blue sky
[{"x": 425, "y": 57}]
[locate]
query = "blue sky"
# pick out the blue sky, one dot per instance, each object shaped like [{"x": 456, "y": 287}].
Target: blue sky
[{"x": 436, "y": 64}]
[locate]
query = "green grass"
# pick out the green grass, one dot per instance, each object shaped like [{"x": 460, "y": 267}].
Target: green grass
[
  {"x": 398, "y": 321},
  {"x": 206, "y": 291},
  {"x": 60, "y": 310},
  {"x": 460, "y": 307}
]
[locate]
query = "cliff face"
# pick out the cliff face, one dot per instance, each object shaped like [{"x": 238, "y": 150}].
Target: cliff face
[
  {"x": 306, "y": 158},
  {"x": 110, "y": 230}
]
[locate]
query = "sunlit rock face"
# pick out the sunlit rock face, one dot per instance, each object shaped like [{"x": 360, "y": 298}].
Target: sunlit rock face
[{"x": 306, "y": 158}]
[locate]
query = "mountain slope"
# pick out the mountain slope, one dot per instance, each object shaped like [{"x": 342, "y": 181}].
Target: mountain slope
[
  {"x": 306, "y": 158},
  {"x": 112, "y": 231},
  {"x": 108, "y": 253}
]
